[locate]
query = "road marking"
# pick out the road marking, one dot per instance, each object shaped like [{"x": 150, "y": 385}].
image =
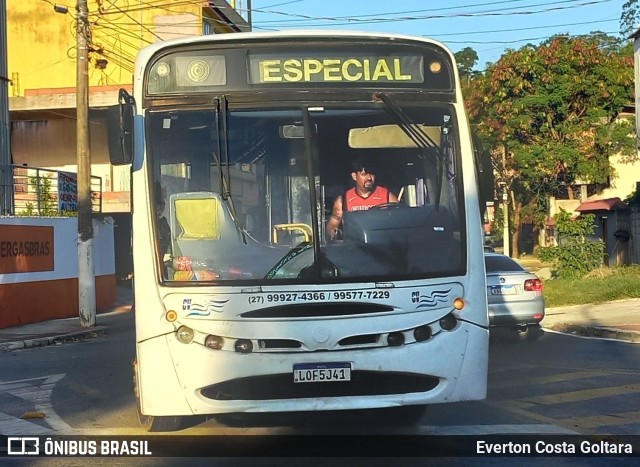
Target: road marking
[
  {"x": 622, "y": 341},
  {"x": 581, "y": 395},
  {"x": 623, "y": 418},
  {"x": 543, "y": 380},
  {"x": 36, "y": 391},
  {"x": 10, "y": 425},
  {"x": 520, "y": 408},
  {"x": 533, "y": 429}
]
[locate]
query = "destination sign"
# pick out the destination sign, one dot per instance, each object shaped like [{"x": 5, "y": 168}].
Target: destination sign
[
  {"x": 288, "y": 65},
  {"x": 279, "y": 69}
]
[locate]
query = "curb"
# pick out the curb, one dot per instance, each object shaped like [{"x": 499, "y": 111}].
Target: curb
[
  {"x": 603, "y": 332},
  {"x": 53, "y": 340}
]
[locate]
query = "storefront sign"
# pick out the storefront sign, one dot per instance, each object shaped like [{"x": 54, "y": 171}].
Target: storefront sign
[{"x": 26, "y": 248}]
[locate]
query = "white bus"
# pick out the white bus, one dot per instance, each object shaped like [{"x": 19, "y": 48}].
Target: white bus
[{"x": 245, "y": 300}]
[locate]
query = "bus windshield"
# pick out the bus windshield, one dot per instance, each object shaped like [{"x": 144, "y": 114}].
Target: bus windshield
[{"x": 248, "y": 193}]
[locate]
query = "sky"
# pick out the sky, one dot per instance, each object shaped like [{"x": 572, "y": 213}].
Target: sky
[{"x": 490, "y": 27}]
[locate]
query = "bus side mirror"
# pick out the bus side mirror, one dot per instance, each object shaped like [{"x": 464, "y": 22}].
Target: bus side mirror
[{"x": 120, "y": 123}]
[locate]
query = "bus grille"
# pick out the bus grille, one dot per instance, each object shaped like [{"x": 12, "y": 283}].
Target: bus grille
[
  {"x": 311, "y": 310},
  {"x": 281, "y": 386}
]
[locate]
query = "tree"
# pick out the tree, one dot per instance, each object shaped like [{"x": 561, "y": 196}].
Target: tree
[
  {"x": 629, "y": 18},
  {"x": 466, "y": 60},
  {"x": 551, "y": 114}
]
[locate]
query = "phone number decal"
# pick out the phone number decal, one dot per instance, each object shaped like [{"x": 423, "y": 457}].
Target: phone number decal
[
  {"x": 362, "y": 294},
  {"x": 319, "y": 296}
]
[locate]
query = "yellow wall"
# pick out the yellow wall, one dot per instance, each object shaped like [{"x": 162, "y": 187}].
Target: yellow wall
[
  {"x": 42, "y": 63},
  {"x": 41, "y": 42},
  {"x": 38, "y": 40}
]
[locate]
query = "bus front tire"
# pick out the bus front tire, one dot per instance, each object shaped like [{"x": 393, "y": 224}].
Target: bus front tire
[
  {"x": 149, "y": 422},
  {"x": 401, "y": 416},
  {"x": 161, "y": 424}
]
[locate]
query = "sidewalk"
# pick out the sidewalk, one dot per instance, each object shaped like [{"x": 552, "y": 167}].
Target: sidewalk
[
  {"x": 616, "y": 320},
  {"x": 58, "y": 331}
]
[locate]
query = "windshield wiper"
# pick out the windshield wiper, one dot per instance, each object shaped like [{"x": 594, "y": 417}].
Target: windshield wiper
[
  {"x": 419, "y": 137},
  {"x": 222, "y": 128},
  {"x": 313, "y": 198}
]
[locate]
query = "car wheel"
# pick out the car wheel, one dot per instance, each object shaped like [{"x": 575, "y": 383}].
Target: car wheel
[{"x": 532, "y": 333}]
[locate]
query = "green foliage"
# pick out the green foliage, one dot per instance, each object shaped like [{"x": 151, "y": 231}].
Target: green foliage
[
  {"x": 46, "y": 201},
  {"x": 46, "y": 204},
  {"x": 574, "y": 259},
  {"x": 466, "y": 60},
  {"x": 629, "y": 18},
  {"x": 30, "y": 211},
  {"x": 633, "y": 198},
  {"x": 550, "y": 114},
  {"x": 577, "y": 228},
  {"x": 575, "y": 256},
  {"x": 601, "y": 285}
]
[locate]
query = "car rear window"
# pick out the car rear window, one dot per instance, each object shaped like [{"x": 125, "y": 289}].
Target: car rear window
[{"x": 501, "y": 263}]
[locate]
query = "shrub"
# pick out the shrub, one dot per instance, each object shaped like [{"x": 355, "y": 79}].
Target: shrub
[{"x": 574, "y": 257}]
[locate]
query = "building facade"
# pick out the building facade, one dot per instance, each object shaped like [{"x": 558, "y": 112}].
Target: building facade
[{"x": 42, "y": 68}]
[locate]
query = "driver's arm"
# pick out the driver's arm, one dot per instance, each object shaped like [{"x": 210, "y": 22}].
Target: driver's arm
[
  {"x": 333, "y": 224},
  {"x": 392, "y": 198}
]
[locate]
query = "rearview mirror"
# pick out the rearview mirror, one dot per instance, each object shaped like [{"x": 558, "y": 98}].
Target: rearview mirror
[
  {"x": 120, "y": 123},
  {"x": 389, "y": 136},
  {"x": 291, "y": 131}
]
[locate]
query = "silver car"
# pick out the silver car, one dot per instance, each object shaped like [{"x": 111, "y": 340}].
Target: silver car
[{"x": 514, "y": 296}]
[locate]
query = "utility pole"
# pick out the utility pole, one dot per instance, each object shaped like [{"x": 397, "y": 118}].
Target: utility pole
[
  {"x": 505, "y": 221},
  {"x": 6, "y": 170},
  {"x": 86, "y": 275}
]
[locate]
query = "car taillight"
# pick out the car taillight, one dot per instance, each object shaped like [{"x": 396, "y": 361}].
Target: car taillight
[{"x": 533, "y": 285}]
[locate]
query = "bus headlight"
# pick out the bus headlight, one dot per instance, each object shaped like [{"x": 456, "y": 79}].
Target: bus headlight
[
  {"x": 395, "y": 339},
  {"x": 214, "y": 342},
  {"x": 184, "y": 334},
  {"x": 448, "y": 322},
  {"x": 244, "y": 346},
  {"x": 422, "y": 333}
]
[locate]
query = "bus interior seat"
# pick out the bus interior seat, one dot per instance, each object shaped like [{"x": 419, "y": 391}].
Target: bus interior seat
[
  {"x": 197, "y": 217},
  {"x": 204, "y": 228},
  {"x": 200, "y": 222}
]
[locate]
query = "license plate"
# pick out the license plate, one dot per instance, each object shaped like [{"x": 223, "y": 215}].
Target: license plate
[
  {"x": 503, "y": 290},
  {"x": 321, "y": 372}
]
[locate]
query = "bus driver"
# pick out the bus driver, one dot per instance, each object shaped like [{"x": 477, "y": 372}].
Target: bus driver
[{"x": 364, "y": 195}]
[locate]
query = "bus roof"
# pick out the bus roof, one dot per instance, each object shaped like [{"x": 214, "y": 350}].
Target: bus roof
[{"x": 147, "y": 52}]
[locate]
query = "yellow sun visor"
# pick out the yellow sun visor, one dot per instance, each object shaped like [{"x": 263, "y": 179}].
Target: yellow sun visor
[{"x": 388, "y": 136}]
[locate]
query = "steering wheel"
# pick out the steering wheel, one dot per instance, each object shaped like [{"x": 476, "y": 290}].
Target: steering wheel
[
  {"x": 389, "y": 205},
  {"x": 337, "y": 237}
]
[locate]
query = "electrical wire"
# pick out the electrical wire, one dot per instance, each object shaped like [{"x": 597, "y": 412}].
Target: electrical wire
[
  {"x": 515, "y": 41},
  {"x": 331, "y": 22},
  {"x": 119, "y": 28},
  {"x": 523, "y": 29},
  {"x": 360, "y": 17}
]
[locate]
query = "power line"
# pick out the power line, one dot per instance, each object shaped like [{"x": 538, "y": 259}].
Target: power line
[
  {"x": 515, "y": 41},
  {"x": 523, "y": 29},
  {"x": 333, "y": 21},
  {"x": 135, "y": 21},
  {"x": 360, "y": 17},
  {"x": 459, "y": 33}
]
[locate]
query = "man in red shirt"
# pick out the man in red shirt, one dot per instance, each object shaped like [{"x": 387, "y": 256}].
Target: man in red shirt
[{"x": 363, "y": 196}]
